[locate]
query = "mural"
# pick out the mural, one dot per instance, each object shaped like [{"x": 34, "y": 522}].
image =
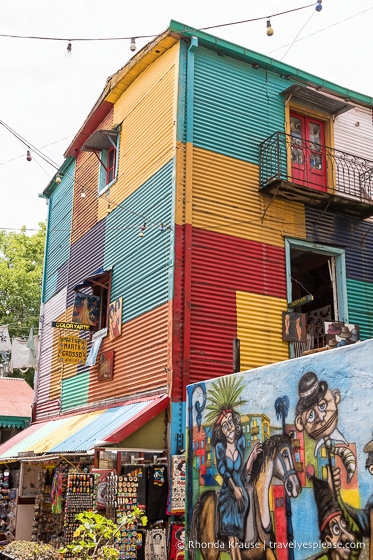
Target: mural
[{"x": 280, "y": 460}]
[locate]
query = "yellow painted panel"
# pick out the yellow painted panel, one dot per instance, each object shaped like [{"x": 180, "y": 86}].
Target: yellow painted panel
[
  {"x": 147, "y": 113},
  {"x": 72, "y": 425},
  {"x": 59, "y": 370},
  {"x": 261, "y": 341},
  {"x": 226, "y": 200}
]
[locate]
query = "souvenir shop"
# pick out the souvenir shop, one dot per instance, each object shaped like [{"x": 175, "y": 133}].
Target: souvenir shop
[{"x": 40, "y": 497}]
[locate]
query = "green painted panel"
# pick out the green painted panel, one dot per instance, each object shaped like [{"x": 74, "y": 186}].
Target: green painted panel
[
  {"x": 236, "y": 106},
  {"x": 360, "y": 309},
  {"x": 75, "y": 391},
  {"x": 58, "y": 232},
  {"x": 142, "y": 266}
]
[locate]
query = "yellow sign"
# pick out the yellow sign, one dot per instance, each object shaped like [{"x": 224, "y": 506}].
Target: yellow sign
[
  {"x": 71, "y": 326},
  {"x": 72, "y": 350}
]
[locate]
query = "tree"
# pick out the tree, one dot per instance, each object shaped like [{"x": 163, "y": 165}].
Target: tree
[{"x": 21, "y": 270}]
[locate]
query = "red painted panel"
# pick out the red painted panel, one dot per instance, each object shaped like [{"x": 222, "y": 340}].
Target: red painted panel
[
  {"x": 178, "y": 390},
  {"x": 221, "y": 266},
  {"x": 90, "y": 125}
]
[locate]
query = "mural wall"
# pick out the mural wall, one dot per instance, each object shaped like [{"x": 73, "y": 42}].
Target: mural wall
[{"x": 280, "y": 460}]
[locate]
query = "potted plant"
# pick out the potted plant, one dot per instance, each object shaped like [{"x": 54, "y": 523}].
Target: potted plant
[{"x": 95, "y": 536}]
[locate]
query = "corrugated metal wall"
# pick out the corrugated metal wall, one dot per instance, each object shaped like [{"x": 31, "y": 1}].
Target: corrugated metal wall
[
  {"x": 47, "y": 399},
  {"x": 142, "y": 267},
  {"x": 141, "y": 358},
  {"x": 222, "y": 266},
  {"x": 58, "y": 234},
  {"x": 85, "y": 210},
  {"x": 360, "y": 297},
  {"x": 259, "y": 321},
  {"x": 353, "y": 132},
  {"x": 236, "y": 106}
]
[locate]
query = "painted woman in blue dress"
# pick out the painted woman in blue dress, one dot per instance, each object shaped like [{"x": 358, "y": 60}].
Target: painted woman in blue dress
[{"x": 233, "y": 503}]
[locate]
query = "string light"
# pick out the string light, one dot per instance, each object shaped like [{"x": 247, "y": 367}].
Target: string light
[
  {"x": 269, "y": 28},
  {"x": 82, "y": 194},
  {"x": 318, "y": 7},
  {"x": 28, "y": 155},
  {"x": 68, "y": 50},
  {"x": 142, "y": 229},
  {"x": 133, "y": 44},
  {"x": 58, "y": 179}
]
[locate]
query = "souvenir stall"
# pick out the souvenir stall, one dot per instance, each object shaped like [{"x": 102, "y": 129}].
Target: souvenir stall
[
  {"x": 53, "y": 489},
  {"x": 9, "y": 478}
]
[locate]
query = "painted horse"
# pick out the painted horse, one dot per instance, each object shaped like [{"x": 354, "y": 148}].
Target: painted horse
[{"x": 274, "y": 461}]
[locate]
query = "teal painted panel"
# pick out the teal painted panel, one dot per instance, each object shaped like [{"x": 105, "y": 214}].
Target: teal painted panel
[
  {"x": 58, "y": 233},
  {"x": 236, "y": 107},
  {"x": 75, "y": 391},
  {"x": 360, "y": 310},
  {"x": 142, "y": 266}
]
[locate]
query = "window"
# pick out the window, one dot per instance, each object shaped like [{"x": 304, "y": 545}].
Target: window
[
  {"x": 99, "y": 285},
  {"x": 105, "y": 144},
  {"x": 108, "y": 168}
]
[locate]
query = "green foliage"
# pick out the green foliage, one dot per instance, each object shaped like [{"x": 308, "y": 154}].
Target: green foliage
[
  {"x": 27, "y": 550},
  {"x": 95, "y": 536},
  {"x": 21, "y": 270}
]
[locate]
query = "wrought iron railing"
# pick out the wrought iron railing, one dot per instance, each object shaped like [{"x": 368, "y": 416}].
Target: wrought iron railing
[{"x": 286, "y": 158}]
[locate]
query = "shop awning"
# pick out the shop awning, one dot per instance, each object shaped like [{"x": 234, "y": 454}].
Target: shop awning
[{"x": 82, "y": 432}]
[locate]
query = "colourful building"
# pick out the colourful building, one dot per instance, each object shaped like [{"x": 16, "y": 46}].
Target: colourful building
[{"x": 217, "y": 198}]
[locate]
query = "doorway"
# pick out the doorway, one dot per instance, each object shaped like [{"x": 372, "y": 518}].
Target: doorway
[
  {"x": 317, "y": 271},
  {"x": 308, "y": 161}
]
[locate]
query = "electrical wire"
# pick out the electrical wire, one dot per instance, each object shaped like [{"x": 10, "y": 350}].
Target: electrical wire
[{"x": 70, "y": 39}]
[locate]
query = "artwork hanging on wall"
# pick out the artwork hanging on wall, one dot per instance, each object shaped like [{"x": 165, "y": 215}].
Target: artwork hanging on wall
[
  {"x": 115, "y": 318},
  {"x": 294, "y": 327},
  {"x": 86, "y": 309}
]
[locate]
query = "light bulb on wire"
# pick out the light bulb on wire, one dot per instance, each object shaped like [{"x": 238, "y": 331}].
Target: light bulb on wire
[
  {"x": 133, "y": 44},
  {"x": 28, "y": 155},
  {"x": 142, "y": 229},
  {"x": 318, "y": 7},
  {"x": 82, "y": 194},
  {"x": 68, "y": 50},
  {"x": 270, "y": 31},
  {"x": 58, "y": 179}
]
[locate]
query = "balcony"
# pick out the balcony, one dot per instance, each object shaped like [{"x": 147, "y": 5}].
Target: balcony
[{"x": 320, "y": 176}]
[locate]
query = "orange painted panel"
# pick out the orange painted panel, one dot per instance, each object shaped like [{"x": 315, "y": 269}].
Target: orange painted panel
[{"x": 141, "y": 360}]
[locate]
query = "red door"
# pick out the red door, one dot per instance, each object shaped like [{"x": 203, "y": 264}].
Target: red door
[{"x": 308, "y": 162}]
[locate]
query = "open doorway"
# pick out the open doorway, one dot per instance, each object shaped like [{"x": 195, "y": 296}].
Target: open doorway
[{"x": 316, "y": 271}]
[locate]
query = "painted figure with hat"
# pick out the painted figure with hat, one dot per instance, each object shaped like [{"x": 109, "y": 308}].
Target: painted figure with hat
[
  {"x": 230, "y": 443},
  {"x": 362, "y": 516},
  {"x": 317, "y": 414},
  {"x": 339, "y": 534}
]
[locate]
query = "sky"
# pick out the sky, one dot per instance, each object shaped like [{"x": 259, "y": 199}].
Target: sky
[{"x": 45, "y": 96}]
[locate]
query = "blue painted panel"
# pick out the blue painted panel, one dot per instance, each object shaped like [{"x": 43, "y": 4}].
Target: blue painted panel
[
  {"x": 349, "y": 233},
  {"x": 87, "y": 255},
  {"x": 235, "y": 106},
  {"x": 142, "y": 267},
  {"x": 360, "y": 297},
  {"x": 178, "y": 424},
  {"x": 58, "y": 231},
  {"x": 181, "y": 108}
]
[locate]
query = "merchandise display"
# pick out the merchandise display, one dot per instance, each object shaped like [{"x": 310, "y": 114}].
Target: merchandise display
[{"x": 8, "y": 505}]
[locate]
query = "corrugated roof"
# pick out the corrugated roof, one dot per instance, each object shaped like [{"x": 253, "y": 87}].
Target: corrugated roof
[
  {"x": 15, "y": 397},
  {"x": 84, "y": 431}
]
